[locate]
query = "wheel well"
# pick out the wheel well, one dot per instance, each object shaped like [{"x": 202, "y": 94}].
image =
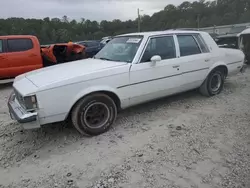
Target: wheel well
[
  {"x": 112, "y": 96},
  {"x": 108, "y": 93},
  {"x": 223, "y": 68}
]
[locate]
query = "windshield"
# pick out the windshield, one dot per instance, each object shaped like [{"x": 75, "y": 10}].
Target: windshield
[{"x": 120, "y": 49}]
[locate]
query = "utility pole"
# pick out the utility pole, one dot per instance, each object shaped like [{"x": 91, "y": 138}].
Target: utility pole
[
  {"x": 198, "y": 21},
  {"x": 139, "y": 20}
]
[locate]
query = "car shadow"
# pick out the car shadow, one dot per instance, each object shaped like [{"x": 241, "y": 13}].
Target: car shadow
[
  {"x": 19, "y": 144},
  {"x": 5, "y": 85}
]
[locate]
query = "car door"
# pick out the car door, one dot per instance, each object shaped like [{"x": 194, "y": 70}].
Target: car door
[
  {"x": 194, "y": 60},
  {"x": 4, "y": 62},
  {"x": 22, "y": 56},
  {"x": 154, "y": 80}
]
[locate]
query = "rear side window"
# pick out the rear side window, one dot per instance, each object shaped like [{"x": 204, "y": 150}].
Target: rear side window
[
  {"x": 19, "y": 45},
  {"x": 1, "y": 46},
  {"x": 202, "y": 43},
  {"x": 188, "y": 45}
]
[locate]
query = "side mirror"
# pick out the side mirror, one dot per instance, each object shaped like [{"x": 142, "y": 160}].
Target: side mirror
[{"x": 155, "y": 59}]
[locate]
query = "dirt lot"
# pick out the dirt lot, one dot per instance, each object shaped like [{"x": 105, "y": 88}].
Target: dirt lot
[{"x": 182, "y": 141}]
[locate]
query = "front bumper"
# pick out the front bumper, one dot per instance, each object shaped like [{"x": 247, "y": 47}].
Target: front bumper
[{"x": 28, "y": 120}]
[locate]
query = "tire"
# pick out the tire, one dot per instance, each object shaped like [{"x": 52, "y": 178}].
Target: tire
[
  {"x": 207, "y": 88},
  {"x": 84, "y": 114}
]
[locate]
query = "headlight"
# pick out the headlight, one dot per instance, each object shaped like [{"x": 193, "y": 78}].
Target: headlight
[{"x": 30, "y": 102}]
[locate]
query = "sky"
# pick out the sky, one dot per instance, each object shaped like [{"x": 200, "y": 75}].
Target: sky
[{"x": 76, "y": 9}]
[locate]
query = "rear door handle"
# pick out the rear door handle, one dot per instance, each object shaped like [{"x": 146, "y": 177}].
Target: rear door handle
[
  {"x": 32, "y": 55},
  {"x": 207, "y": 60},
  {"x": 176, "y": 66}
]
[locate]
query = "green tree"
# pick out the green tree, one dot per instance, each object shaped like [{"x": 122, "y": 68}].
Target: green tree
[{"x": 51, "y": 30}]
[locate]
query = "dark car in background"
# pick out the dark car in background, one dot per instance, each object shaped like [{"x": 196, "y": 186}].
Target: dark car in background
[
  {"x": 228, "y": 41},
  {"x": 92, "y": 47},
  {"x": 105, "y": 40}
]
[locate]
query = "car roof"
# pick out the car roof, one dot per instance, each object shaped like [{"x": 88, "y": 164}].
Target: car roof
[
  {"x": 17, "y": 36},
  {"x": 246, "y": 31},
  {"x": 153, "y": 33}
]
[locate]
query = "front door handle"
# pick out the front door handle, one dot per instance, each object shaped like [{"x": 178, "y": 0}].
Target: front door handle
[
  {"x": 176, "y": 66},
  {"x": 207, "y": 60}
]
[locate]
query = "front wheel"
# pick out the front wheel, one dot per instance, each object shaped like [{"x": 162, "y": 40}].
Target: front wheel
[
  {"x": 213, "y": 84},
  {"x": 94, "y": 114}
]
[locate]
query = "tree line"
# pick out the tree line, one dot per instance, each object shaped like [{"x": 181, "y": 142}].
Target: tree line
[{"x": 187, "y": 15}]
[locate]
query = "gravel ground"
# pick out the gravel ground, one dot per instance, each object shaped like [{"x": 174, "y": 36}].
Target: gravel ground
[{"x": 184, "y": 141}]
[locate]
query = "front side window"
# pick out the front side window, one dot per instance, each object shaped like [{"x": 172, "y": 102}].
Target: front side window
[
  {"x": 188, "y": 45},
  {"x": 121, "y": 49},
  {"x": 19, "y": 45},
  {"x": 1, "y": 46},
  {"x": 162, "y": 46}
]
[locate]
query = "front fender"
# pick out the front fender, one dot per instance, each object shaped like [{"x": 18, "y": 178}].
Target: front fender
[{"x": 92, "y": 89}]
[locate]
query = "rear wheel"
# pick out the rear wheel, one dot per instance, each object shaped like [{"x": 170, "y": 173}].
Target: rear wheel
[
  {"x": 94, "y": 114},
  {"x": 214, "y": 83}
]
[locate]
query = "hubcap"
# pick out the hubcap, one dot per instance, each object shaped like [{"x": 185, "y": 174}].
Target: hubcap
[
  {"x": 215, "y": 82},
  {"x": 96, "y": 115}
]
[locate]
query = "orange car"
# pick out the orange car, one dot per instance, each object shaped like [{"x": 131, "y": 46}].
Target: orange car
[
  {"x": 63, "y": 52},
  {"x": 23, "y": 53}
]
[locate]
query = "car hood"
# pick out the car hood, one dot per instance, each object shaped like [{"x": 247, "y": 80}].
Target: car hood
[{"x": 67, "y": 71}]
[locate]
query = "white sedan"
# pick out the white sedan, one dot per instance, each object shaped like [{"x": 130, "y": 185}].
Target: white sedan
[{"x": 146, "y": 66}]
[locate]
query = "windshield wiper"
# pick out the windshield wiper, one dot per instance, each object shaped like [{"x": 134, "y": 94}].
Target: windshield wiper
[{"x": 107, "y": 59}]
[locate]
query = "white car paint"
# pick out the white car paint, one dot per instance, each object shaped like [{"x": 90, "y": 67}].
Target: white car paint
[
  {"x": 246, "y": 31},
  {"x": 59, "y": 87}
]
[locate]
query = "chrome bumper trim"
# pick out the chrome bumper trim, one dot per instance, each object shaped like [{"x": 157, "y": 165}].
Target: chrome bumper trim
[{"x": 18, "y": 113}]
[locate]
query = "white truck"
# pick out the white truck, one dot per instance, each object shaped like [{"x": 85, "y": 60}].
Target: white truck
[{"x": 131, "y": 69}]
